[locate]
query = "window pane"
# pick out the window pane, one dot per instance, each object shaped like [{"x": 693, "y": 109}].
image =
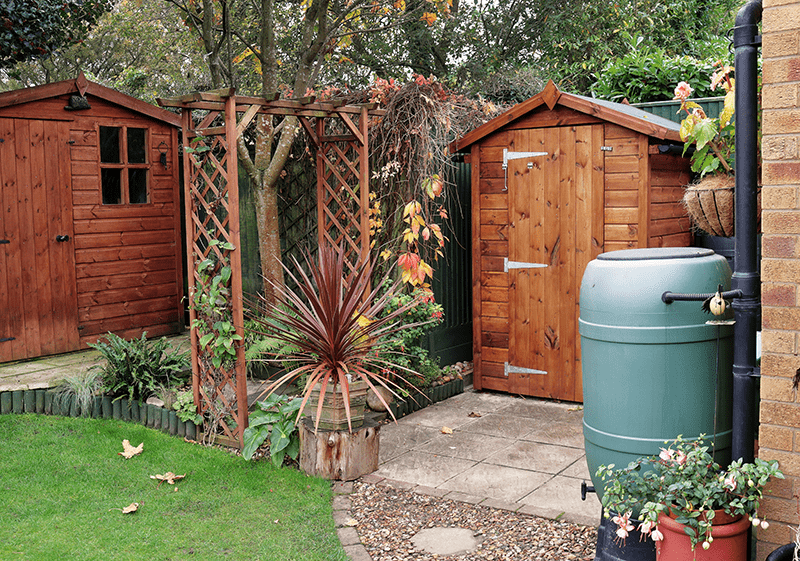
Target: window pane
[
  {"x": 109, "y": 145},
  {"x": 137, "y": 153},
  {"x": 112, "y": 187},
  {"x": 137, "y": 186}
]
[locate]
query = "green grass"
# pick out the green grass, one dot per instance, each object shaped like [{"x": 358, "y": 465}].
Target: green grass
[{"x": 63, "y": 485}]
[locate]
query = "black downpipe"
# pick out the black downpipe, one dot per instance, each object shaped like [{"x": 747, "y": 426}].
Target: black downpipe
[{"x": 746, "y": 278}]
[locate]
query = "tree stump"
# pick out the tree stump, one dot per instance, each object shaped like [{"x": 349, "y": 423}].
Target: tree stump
[{"x": 339, "y": 455}]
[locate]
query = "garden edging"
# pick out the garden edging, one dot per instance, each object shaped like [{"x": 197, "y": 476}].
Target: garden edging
[{"x": 44, "y": 401}]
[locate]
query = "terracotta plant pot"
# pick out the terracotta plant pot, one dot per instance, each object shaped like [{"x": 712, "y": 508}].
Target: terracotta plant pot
[{"x": 730, "y": 541}]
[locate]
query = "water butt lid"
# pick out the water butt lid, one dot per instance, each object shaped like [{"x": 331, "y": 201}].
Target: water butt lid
[{"x": 653, "y": 253}]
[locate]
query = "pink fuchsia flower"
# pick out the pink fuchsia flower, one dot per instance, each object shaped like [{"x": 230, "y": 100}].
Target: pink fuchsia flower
[
  {"x": 666, "y": 454},
  {"x": 730, "y": 482},
  {"x": 680, "y": 457},
  {"x": 683, "y": 91},
  {"x": 647, "y": 526},
  {"x": 656, "y": 535},
  {"x": 624, "y": 523}
]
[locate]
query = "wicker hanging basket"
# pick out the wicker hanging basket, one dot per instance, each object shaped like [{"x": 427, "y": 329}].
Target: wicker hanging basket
[{"x": 710, "y": 203}]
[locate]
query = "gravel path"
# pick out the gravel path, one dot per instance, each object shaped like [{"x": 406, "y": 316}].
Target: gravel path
[{"x": 387, "y": 518}]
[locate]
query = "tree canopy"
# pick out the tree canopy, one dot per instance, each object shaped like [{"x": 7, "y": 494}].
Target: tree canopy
[{"x": 35, "y": 28}]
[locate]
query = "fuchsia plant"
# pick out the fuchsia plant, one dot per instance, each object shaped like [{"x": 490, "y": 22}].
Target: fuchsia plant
[
  {"x": 685, "y": 482},
  {"x": 713, "y": 138}
]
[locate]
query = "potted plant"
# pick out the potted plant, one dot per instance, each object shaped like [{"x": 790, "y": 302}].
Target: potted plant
[
  {"x": 710, "y": 200},
  {"x": 333, "y": 333},
  {"x": 684, "y": 499}
]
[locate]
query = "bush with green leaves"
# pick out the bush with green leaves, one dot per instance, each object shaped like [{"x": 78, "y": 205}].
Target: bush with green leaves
[
  {"x": 648, "y": 74},
  {"x": 138, "y": 368},
  {"x": 185, "y": 408},
  {"x": 422, "y": 314},
  {"x": 274, "y": 418}
]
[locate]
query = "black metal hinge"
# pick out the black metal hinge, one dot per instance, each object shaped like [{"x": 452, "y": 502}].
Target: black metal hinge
[{"x": 4, "y": 339}]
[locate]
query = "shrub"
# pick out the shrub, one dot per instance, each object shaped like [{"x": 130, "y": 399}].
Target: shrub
[
  {"x": 649, "y": 74},
  {"x": 137, "y": 368}
]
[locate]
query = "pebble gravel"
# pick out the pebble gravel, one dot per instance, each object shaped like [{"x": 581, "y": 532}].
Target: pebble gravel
[{"x": 387, "y": 519}]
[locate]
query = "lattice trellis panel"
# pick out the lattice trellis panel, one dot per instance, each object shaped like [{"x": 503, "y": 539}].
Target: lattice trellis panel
[
  {"x": 215, "y": 286},
  {"x": 212, "y": 224},
  {"x": 343, "y": 184}
]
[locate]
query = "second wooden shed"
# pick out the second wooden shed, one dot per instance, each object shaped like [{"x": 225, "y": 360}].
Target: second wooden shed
[
  {"x": 557, "y": 180},
  {"x": 90, "y": 222}
]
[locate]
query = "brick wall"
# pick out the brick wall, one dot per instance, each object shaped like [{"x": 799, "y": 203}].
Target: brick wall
[{"x": 779, "y": 435}]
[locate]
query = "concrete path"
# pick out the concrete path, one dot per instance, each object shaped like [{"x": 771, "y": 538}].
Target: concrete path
[{"x": 505, "y": 452}]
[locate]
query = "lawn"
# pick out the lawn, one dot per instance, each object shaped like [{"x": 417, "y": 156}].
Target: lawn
[{"x": 63, "y": 486}]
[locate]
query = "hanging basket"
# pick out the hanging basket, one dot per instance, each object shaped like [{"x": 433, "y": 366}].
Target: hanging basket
[{"x": 711, "y": 203}]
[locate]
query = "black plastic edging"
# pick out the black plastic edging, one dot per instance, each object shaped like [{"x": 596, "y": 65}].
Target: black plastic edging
[{"x": 43, "y": 402}]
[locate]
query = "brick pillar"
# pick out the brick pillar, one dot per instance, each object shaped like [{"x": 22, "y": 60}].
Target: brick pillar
[{"x": 779, "y": 434}]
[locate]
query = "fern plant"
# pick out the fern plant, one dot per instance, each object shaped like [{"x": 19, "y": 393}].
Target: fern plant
[{"x": 137, "y": 368}]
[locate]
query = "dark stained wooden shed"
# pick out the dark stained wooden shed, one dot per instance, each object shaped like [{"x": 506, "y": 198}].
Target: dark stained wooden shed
[
  {"x": 557, "y": 180},
  {"x": 90, "y": 226}
]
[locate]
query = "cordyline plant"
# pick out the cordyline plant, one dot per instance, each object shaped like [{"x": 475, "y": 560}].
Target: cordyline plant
[{"x": 333, "y": 329}]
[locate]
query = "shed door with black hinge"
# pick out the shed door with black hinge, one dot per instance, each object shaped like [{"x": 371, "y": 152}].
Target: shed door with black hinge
[
  {"x": 38, "y": 304},
  {"x": 554, "y": 178}
]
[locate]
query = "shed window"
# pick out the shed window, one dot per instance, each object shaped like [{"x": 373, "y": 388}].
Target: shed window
[{"x": 124, "y": 169}]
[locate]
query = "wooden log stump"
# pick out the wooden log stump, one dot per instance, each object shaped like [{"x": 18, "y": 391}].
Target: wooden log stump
[{"x": 339, "y": 455}]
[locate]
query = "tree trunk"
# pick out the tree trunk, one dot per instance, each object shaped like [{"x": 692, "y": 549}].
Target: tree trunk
[{"x": 269, "y": 238}]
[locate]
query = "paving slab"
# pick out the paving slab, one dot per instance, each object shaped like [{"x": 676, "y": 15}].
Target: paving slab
[
  {"x": 559, "y": 433},
  {"x": 560, "y": 497},
  {"x": 398, "y": 439},
  {"x": 497, "y": 482},
  {"x": 439, "y": 415},
  {"x": 535, "y": 456},
  {"x": 465, "y": 445},
  {"x": 421, "y": 468}
]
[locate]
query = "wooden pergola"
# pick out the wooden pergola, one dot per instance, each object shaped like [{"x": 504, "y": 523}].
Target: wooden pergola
[{"x": 212, "y": 123}]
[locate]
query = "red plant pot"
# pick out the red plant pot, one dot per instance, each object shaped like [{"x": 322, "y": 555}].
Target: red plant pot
[{"x": 730, "y": 541}]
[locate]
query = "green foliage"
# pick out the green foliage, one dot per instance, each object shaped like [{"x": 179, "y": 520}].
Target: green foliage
[
  {"x": 185, "y": 408},
  {"x": 211, "y": 302},
  {"x": 685, "y": 479},
  {"x": 137, "y": 368},
  {"x": 274, "y": 419},
  {"x": 422, "y": 313},
  {"x": 37, "y": 28},
  {"x": 647, "y": 73},
  {"x": 84, "y": 386}
]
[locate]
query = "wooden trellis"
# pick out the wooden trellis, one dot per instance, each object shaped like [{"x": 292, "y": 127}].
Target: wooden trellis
[{"x": 212, "y": 123}]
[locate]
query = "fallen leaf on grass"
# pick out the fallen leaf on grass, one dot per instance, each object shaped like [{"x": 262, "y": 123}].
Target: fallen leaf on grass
[
  {"x": 169, "y": 477},
  {"x": 447, "y": 430},
  {"x": 129, "y": 451},
  {"x": 133, "y": 507}
]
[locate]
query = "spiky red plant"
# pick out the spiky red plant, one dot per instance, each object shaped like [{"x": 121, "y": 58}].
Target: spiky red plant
[{"x": 335, "y": 326}]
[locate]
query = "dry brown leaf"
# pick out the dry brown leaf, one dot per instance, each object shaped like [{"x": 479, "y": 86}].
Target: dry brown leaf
[
  {"x": 129, "y": 451},
  {"x": 133, "y": 507},
  {"x": 473, "y": 414},
  {"x": 169, "y": 477},
  {"x": 351, "y": 522},
  {"x": 447, "y": 430}
]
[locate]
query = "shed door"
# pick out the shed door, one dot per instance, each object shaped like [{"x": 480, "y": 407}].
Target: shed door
[
  {"x": 555, "y": 218},
  {"x": 38, "y": 305}
]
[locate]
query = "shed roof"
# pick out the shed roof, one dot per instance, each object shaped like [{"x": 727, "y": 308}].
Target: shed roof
[
  {"x": 618, "y": 113},
  {"x": 81, "y": 85}
]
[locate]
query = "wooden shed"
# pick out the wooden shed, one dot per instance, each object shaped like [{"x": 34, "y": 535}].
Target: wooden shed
[
  {"x": 90, "y": 226},
  {"x": 557, "y": 180}
]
